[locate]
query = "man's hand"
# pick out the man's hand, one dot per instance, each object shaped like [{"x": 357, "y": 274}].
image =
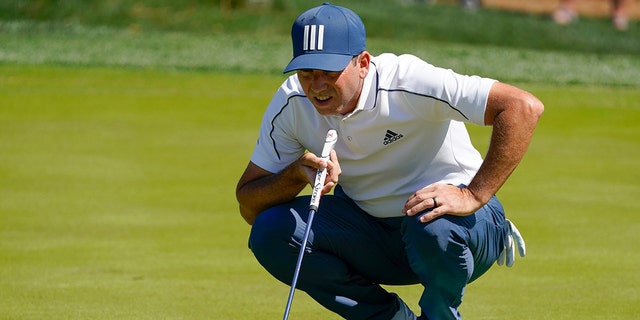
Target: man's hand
[
  {"x": 259, "y": 189},
  {"x": 441, "y": 199},
  {"x": 310, "y": 164}
]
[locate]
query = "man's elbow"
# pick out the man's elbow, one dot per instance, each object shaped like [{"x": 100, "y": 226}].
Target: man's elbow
[
  {"x": 241, "y": 198},
  {"x": 247, "y": 215},
  {"x": 529, "y": 111},
  {"x": 536, "y": 107}
]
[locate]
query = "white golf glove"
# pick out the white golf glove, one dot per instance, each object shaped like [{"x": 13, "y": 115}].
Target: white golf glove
[{"x": 508, "y": 253}]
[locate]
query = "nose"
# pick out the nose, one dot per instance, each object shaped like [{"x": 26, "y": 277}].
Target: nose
[{"x": 319, "y": 81}]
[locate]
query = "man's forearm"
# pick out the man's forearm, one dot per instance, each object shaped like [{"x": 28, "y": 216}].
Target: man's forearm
[
  {"x": 265, "y": 192},
  {"x": 510, "y": 139}
]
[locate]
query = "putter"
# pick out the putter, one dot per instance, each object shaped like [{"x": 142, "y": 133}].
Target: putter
[{"x": 329, "y": 142}]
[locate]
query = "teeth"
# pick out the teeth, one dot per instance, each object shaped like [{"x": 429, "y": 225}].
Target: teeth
[{"x": 323, "y": 98}]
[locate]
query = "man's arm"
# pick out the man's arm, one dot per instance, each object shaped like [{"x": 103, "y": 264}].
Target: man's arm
[
  {"x": 514, "y": 114},
  {"x": 259, "y": 189}
]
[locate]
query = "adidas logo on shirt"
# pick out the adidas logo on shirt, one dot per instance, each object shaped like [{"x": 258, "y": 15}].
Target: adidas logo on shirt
[{"x": 390, "y": 137}]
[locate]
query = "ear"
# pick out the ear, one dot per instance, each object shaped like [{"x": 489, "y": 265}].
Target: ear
[{"x": 364, "y": 61}]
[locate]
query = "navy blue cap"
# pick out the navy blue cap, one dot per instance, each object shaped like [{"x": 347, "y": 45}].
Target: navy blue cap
[{"x": 326, "y": 38}]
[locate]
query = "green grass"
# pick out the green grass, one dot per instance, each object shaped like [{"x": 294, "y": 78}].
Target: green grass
[
  {"x": 118, "y": 201},
  {"x": 124, "y": 127},
  {"x": 118, "y": 192},
  {"x": 384, "y": 20},
  {"x": 28, "y": 42}
]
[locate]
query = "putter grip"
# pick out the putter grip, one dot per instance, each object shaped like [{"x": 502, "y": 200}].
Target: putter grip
[{"x": 329, "y": 143}]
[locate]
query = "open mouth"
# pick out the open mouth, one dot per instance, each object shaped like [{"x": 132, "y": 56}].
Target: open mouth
[{"x": 322, "y": 99}]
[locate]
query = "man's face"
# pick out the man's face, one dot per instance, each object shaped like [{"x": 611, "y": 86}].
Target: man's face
[{"x": 334, "y": 93}]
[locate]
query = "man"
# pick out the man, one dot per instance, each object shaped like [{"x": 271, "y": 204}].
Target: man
[{"x": 413, "y": 200}]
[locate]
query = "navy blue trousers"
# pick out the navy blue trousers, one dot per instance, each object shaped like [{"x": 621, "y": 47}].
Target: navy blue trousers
[{"x": 350, "y": 254}]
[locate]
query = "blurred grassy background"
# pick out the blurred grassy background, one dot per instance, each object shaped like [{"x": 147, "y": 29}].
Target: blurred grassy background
[
  {"x": 398, "y": 20},
  {"x": 254, "y": 39}
]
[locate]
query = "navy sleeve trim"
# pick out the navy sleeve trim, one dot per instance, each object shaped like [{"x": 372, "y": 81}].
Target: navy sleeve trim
[
  {"x": 273, "y": 141},
  {"x": 427, "y": 96}
]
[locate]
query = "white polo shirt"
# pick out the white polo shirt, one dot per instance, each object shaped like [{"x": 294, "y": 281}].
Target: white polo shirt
[{"x": 406, "y": 133}]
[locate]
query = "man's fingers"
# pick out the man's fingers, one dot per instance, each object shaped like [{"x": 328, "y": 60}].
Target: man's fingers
[
  {"x": 430, "y": 215},
  {"x": 421, "y": 201},
  {"x": 327, "y": 187}
]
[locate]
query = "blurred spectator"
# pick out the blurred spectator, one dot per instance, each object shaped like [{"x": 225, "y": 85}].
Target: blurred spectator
[
  {"x": 470, "y": 4},
  {"x": 566, "y": 13}
]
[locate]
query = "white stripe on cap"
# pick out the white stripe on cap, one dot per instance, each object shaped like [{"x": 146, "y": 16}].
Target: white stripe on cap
[
  {"x": 320, "y": 36},
  {"x": 312, "y": 46},
  {"x": 305, "y": 41},
  {"x": 313, "y": 37}
]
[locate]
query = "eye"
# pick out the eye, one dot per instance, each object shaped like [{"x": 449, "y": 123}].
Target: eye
[
  {"x": 305, "y": 73},
  {"x": 334, "y": 75}
]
